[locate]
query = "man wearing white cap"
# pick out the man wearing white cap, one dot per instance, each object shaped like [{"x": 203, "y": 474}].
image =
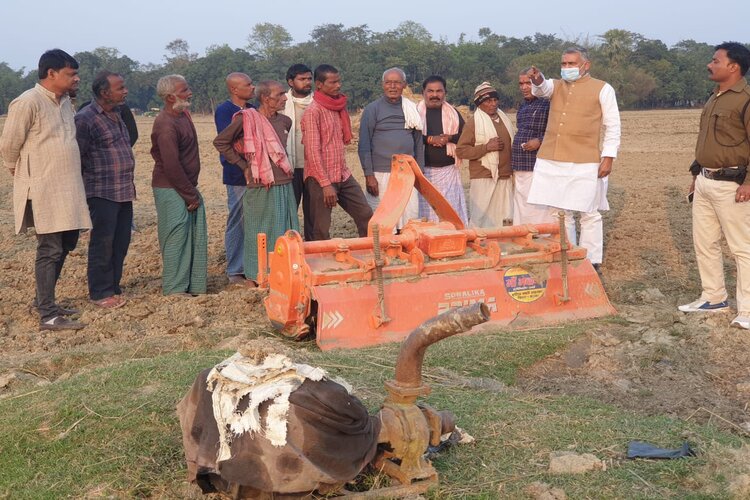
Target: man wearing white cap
[{"x": 485, "y": 141}]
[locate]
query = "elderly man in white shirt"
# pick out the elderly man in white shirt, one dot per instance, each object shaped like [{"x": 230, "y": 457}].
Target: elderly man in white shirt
[{"x": 571, "y": 169}]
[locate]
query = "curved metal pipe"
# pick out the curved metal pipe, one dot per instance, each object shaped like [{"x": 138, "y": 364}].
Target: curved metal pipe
[{"x": 459, "y": 320}]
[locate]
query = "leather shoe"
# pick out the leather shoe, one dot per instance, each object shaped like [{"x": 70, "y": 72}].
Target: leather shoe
[{"x": 61, "y": 323}]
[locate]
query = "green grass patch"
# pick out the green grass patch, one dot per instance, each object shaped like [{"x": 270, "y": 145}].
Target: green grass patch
[{"x": 113, "y": 431}]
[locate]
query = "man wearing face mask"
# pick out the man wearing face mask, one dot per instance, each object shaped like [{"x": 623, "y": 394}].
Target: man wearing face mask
[{"x": 571, "y": 171}]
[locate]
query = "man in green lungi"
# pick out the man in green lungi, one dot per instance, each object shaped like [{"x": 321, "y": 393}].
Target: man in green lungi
[
  {"x": 256, "y": 142},
  {"x": 183, "y": 238}
]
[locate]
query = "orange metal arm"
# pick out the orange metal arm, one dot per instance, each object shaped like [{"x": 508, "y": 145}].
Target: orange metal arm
[{"x": 406, "y": 175}]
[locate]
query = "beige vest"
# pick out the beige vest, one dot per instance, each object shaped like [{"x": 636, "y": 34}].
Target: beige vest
[{"x": 575, "y": 122}]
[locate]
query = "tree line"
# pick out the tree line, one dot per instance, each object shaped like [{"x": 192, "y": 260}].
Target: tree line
[{"x": 645, "y": 73}]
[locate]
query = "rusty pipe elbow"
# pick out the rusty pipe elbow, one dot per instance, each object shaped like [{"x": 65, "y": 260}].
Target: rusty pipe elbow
[{"x": 459, "y": 320}]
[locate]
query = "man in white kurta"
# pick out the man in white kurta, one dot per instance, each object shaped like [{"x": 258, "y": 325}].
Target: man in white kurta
[
  {"x": 575, "y": 159},
  {"x": 39, "y": 148}
]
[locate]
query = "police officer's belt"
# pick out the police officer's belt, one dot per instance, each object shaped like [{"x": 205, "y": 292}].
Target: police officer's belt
[{"x": 733, "y": 174}]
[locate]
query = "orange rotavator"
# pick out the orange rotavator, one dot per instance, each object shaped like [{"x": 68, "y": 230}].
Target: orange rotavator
[{"x": 357, "y": 292}]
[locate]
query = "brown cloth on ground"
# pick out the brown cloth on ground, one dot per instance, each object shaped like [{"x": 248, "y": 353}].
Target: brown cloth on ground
[{"x": 330, "y": 439}]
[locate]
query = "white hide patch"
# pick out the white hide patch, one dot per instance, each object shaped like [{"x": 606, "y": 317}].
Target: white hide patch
[{"x": 274, "y": 379}]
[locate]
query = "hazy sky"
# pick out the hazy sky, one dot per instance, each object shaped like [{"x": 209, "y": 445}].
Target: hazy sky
[{"x": 141, "y": 29}]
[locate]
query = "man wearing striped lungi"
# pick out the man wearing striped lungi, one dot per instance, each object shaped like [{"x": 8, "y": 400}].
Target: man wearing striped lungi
[
  {"x": 441, "y": 125},
  {"x": 256, "y": 142},
  {"x": 181, "y": 217}
]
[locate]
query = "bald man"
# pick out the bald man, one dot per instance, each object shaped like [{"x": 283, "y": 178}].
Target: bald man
[{"x": 241, "y": 89}]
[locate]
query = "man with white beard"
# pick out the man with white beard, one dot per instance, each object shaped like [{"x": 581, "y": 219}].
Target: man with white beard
[{"x": 181, "y": 217}]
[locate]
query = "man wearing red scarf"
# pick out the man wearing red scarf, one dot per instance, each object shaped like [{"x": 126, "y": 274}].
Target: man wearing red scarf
[{"x": 326, "y": 129}]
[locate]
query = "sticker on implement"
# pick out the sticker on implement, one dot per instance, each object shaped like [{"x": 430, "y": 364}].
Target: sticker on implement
[{"x": 522, "y": 286}]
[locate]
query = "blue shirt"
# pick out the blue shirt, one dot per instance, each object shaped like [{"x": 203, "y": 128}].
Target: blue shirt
[
  {"x": 531, "y": 121},
  {"x": 233, "y": 175}
]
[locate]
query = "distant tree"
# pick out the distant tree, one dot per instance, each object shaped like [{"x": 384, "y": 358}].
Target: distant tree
[
  {"x": 647, "y": 51},
  {"x": 101, "y": 58},
  {"x": 207, "y": 75},
  {"x": 267, "y": 39},
  {"x": 11, "y": 85},
  {"x": 413, "y": 30},
  {"x": 618, "y": 45},
  {"x": 645, "y": 73},
  {"x": 547, "y": 42},
  {"x": 179, "y": 54},
  {"x": 691, "y": 58},
  {"x": 670, "y": 90}
]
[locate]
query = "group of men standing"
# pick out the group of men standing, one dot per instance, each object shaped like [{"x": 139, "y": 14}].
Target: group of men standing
[
  {"x": 313, "y": 129},
  {"x": 75, "y": 172}
]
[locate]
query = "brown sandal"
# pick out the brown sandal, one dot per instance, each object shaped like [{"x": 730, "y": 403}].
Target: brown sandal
[{"x": 112, "y": 302}]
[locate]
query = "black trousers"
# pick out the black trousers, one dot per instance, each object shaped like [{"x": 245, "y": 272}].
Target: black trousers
[
  {"x": 108, "y": 246},
  {"x": 51, "y": 250},
  {"x": 300, "y": 194}
]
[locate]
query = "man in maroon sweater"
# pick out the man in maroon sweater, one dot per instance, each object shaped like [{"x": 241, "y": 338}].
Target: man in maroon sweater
[{"x": 180, "y": 213}]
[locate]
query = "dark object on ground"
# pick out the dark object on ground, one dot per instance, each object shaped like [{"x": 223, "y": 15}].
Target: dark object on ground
[
  {"x": 320, "y": 437},
  {"x": 330, "y": 439},
  {"x": 639, "y": 449}
]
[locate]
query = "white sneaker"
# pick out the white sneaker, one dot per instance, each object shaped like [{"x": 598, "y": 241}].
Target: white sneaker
[
  {"x": 741, "y": 322},
  {"x": 701, "y": 305}
]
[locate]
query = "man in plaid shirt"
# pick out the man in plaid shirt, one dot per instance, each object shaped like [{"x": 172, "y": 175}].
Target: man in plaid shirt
[
  {"x": 108, "y": 168},
  {"x": 531, "y": 121},
  {"x": 326, "y": 129}
]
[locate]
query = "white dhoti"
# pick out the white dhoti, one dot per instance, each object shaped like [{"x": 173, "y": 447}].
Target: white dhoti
[
  {"x": 523, "y": 211},
  {"x": 412, "y": 207},
  {"x": 573, "y": 187},
  {"x": 490, "y": 202},
  {"x": 567, "y": 185},
  {"x": 447, "y": 180}
]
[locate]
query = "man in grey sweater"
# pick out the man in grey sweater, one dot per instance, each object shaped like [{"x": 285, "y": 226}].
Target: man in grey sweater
[{"x": 391, "y": 125}]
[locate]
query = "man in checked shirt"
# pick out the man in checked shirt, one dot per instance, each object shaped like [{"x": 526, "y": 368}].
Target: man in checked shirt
[
  {"x": 108, "y": 167},
  {"x": 531, "y": 121},
  {"x": 326, "y": 130}
]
